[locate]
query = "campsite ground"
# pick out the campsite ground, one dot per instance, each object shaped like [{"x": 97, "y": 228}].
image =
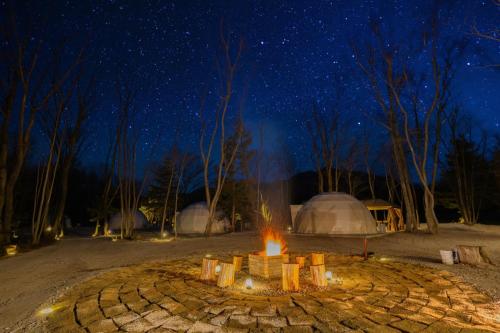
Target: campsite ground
[{"x": 29, "y": 280}]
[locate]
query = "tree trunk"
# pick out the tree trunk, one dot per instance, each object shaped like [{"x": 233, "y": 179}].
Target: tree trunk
[
  {"x": 237, "y": 262},
  {"x": 226, "y": 275},
  {"x": 317, "y": 258},
  {"x": 301, "y": 260},
  {"x": 290, "y": 277},
  {"x": 318, "y": 275},
  {"x": 430, "y": 215},
  {"x": 208, "y": 269},
  {"x": 473, "y": 255},
  {"x": 58, "y": 225}
]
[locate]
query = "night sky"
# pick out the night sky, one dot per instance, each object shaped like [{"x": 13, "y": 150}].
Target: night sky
[{"x": 296, "y": 53}]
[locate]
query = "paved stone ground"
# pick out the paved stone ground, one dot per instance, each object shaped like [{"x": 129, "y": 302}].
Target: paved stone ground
[{"x": 375, "y": 296}]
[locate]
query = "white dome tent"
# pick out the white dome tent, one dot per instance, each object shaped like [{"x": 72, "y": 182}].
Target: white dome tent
[
  {"x": 194, "y": 218},
  {"x": 294, "y": 210},
  {"x": 115, "y": 222},
  {"x": 335, "y": 213}
]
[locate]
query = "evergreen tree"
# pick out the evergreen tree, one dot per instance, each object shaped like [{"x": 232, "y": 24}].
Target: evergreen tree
[
  {"x": 236, "y": 194},
  {"x": 465, "y": 179},
  {"x": 176, "y": 175}
]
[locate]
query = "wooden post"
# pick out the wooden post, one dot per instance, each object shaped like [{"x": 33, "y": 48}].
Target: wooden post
[
  {"x": 365, "y": 247},
  {"x": 208, "y": 269},
  {"x": 226, "y": 275},
  {"x": 301, "y": 260},
  {"x": 317, "y": 258},
  {"x": 473, "y": 255},
  {"x": 318, "y": 275},
  {"x": 290, "y": 277},
  {"x": 237, "y": 261}
]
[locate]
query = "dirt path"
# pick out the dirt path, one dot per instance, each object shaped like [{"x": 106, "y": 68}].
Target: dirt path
[{"x": 34, "y": 278}]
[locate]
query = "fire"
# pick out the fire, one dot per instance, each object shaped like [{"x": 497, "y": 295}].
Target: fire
[{"x": 273, "y": 242}]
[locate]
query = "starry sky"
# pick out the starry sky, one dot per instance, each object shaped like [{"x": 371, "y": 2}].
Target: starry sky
[{"x": 296, "y": 53}]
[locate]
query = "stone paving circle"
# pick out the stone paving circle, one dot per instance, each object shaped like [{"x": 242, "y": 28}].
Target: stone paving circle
[{"x": 374, "y": 296}]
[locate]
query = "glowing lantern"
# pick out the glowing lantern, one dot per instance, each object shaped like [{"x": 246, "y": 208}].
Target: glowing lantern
[
  {"x": 46, "y": 311},
  {"x": 217, "y": 269},
  {"x": 11, "y": 250},
  {"x": 329, "y": 275},
  {"x": 249, "y": 283}
]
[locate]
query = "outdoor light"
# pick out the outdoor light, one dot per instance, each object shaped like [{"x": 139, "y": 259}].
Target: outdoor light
[
  {"x": 249, "y": 283},
  {"x": 289, "y": 228},
  {"x": 46, "y": 311},
  {"x": 48, "y": 229},
  {"x": 329, "y": 275},
  {"x": 164, "y": 235},
  {"x": 11, "y": 250},
  {"x": 217, "y": 269}
]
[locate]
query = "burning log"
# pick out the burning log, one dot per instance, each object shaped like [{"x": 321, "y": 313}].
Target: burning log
[
  {"x": 208, "y": 269},
  {"x": 266, "y": 266},
  {"x": 290, "y": 277},
  {"x": 317, "y": 258},
  {"x": 301, "y": 261},
  {"x": 226, "y": 275},
  {"x": 267, "y": 263},
  {"x": 237, "y": 262},
  {"x": 318, "y": 275}
]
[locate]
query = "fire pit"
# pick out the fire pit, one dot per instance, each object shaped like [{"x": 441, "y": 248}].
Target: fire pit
[{"x": 267, "y": 263}]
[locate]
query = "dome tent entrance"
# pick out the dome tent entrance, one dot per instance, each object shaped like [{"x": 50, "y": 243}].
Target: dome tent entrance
[
  {"x": 194, "y": 218},
  {"x": 140, "y": 221},
  {"x": 335, "y": 213}
]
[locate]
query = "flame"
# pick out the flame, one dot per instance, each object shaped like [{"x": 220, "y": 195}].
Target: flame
[
  {"x": 274, "y": 243},
  {"x": 273, "y": 248}
]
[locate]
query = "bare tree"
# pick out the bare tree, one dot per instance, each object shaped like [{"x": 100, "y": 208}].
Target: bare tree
[
  {"x": 185, "y": 160},
  {"x": 413, "y": 118},
  {"x": 325, "y": 138},
  {"x": 350, "y": 163},
  {"x": 129, "y": 188},
  {"x": 103, "y": 208},
  {"x": 46, "y": 176},
  {"x": 217, "y": 135},
  {"x": 26, "y": 88},
  {"x": 367, "y": 150},
  {"x": 172, "y": 166},
  {"x": 71, "y": 141}
]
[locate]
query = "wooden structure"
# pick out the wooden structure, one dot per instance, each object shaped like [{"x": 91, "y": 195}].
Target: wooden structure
[
  {"x": 317, "y": 258},
  {"x": 290, "y": 277},
  {"x": 388, "y": 217},
  {"x": 208, "y": 269},
  {"x": 301, "y": 260},
  {"x": 266, "y": 266},
  {"x": 318, "y": 275},
  {"x": 237, "y": 262},
  {"x": 226, "y": 275},
  {"x": 473, "y": 255}
]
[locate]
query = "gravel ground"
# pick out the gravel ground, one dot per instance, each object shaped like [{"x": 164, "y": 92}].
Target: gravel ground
[{"x": 31, "y": 279}]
